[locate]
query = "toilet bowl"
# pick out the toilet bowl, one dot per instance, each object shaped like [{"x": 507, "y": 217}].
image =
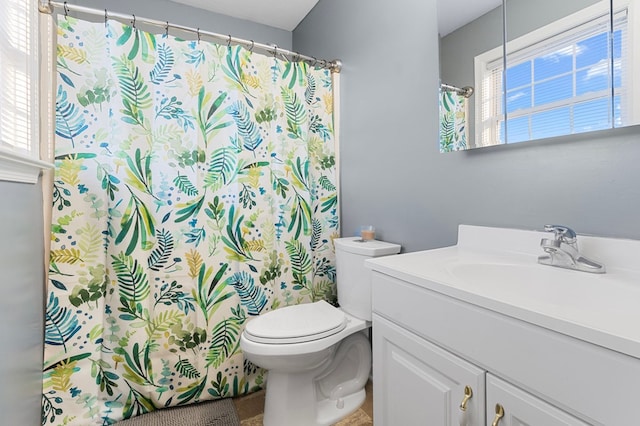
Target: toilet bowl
[
  {"x": 318, "y": 356},
  {"x": 312, "y": 380}
]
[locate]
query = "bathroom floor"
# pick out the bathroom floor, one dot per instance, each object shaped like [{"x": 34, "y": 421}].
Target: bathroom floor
[{"x": 250, "y": 410}]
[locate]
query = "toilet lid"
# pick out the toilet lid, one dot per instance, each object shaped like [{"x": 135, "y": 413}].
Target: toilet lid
[{"x": 296, "y": 324}]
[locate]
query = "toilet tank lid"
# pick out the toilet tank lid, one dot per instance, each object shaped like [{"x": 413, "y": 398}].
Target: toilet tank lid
[{"x": 371, "y": 248}]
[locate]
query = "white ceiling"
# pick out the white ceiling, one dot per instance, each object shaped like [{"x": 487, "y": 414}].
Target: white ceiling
[
  {"x": 284, "y": 14},
  {"x": 287, "y": 14},
  {"x": 452, "y": 14}
]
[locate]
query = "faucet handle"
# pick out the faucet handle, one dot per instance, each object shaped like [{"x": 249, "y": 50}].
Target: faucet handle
[{"x": 562, "y": 233}]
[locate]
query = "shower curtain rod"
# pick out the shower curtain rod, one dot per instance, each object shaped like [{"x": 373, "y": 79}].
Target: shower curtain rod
[
  {"x": 465, "y": 91},
  {"x": 45, "y": 6}
]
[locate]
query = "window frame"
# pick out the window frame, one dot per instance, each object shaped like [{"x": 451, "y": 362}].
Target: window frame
[
  {"x": 16, "y": 164},
  {"x": 489, "y": 69},
  {"x": 632, "y": 62}
]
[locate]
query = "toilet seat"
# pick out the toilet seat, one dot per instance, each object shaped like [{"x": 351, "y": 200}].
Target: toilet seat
[{"x": 296, "y": 324}]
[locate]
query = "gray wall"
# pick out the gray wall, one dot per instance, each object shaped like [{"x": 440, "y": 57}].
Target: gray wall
[
  {"x": 21, "y": 313},
  {"x": 163, "y": 10},
  {"x": 389, "y": 92},
  {"x": 524, "y": 16},
  {"x": 392, "y": 173}
]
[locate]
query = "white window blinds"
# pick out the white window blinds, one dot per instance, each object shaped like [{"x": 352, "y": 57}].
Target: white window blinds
[{"x": 18, "y": 76}]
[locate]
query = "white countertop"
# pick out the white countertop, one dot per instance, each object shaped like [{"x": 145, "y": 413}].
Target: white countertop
[{"x": 497, "y": 269}]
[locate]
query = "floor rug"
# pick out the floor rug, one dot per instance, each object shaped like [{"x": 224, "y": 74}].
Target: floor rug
[
  {"x": 212, "y": 413},
  {"x": 359, "y": 418}
]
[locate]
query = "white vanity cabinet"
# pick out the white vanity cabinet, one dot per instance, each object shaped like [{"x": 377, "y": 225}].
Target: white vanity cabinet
[
  {"x": 549, "y": 346},
  {"x": 427, "y": 346},
  {"x": 418, "y": 383}
]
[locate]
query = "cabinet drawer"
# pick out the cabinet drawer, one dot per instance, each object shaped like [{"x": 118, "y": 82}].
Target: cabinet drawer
[{"x": 595, "y": 384}]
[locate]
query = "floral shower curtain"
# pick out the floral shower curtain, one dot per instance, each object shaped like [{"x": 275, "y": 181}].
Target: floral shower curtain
[
  {"x": 453, "y": 121},
  {"x": 195, "y": 188}
]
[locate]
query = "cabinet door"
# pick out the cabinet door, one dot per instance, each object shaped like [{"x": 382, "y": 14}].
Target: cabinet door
[
  {"x": 521, "y": 408},
  {"x": 418, "y": 383}
]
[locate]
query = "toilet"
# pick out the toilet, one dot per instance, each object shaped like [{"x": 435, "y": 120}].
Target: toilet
[{"x": 318, "y": 356}]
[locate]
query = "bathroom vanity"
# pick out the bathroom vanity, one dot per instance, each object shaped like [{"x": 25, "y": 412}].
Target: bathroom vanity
[{"x": 481, "y": 334}]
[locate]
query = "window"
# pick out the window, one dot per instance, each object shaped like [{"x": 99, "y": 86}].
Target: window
[
  {"x": 558, "y": 80},
  {"x": 19, "y": 82}
]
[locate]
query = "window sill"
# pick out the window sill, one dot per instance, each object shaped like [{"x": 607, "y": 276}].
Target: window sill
[{"x": 20, "y": 168}]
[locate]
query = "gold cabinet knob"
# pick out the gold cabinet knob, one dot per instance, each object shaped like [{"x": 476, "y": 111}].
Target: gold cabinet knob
[
  {"x": 499, "y": 415},
  {"x": 468, "y": 394}
]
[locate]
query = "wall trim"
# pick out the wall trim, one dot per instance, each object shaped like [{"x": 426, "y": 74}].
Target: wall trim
[{"x": 21, "y": 168}]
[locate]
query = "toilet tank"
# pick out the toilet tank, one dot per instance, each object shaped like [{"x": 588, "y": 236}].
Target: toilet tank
[{"x": 353, "y": 279}]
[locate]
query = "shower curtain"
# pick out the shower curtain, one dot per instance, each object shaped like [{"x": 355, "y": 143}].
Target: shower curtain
[
  {"x": 195, "y": 188},
  {"x": 453, "y": 121}
]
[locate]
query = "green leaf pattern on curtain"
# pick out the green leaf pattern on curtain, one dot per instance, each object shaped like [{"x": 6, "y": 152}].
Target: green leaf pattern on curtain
[
  {"x": 195, "y": 189},
  {"x": 453, "y": 122}
]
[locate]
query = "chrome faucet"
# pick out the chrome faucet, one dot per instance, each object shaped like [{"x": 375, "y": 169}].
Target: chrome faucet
[{"x": 562, "y": 251}]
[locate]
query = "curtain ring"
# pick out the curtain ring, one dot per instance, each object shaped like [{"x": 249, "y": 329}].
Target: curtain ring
[
  {"x": 229, "y": 41},
  {"x": 166, "y": 29},
  {"x": 315, "y": 61},
  {"x": 106, "y": 18},
  {"x": 251, "y": 48},
  {"x": 66, "y": 10},
  {"x": 324, "y": 63},
  {"x": 133, "y": 23},
  {"x": 275, "y": 51},
  {"x": 198, "y": 33}
]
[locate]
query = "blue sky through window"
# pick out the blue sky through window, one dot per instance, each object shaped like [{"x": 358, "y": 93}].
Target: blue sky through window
[{"x": 563, "y": 90}]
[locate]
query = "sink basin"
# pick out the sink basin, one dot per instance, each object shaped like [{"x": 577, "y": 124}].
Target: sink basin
[
  {"x": 519, "y": 277},
  {"x": 506, "y": 276},
  {"x": 538, "y": 285},
  {"x": 497, "y": 269}
]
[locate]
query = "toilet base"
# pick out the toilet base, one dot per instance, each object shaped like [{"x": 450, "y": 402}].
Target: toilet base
[
  {"x": 329, "y": 414},
  {"x": 294, "y": 410},
  {"x": 323, "y": 396}
]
